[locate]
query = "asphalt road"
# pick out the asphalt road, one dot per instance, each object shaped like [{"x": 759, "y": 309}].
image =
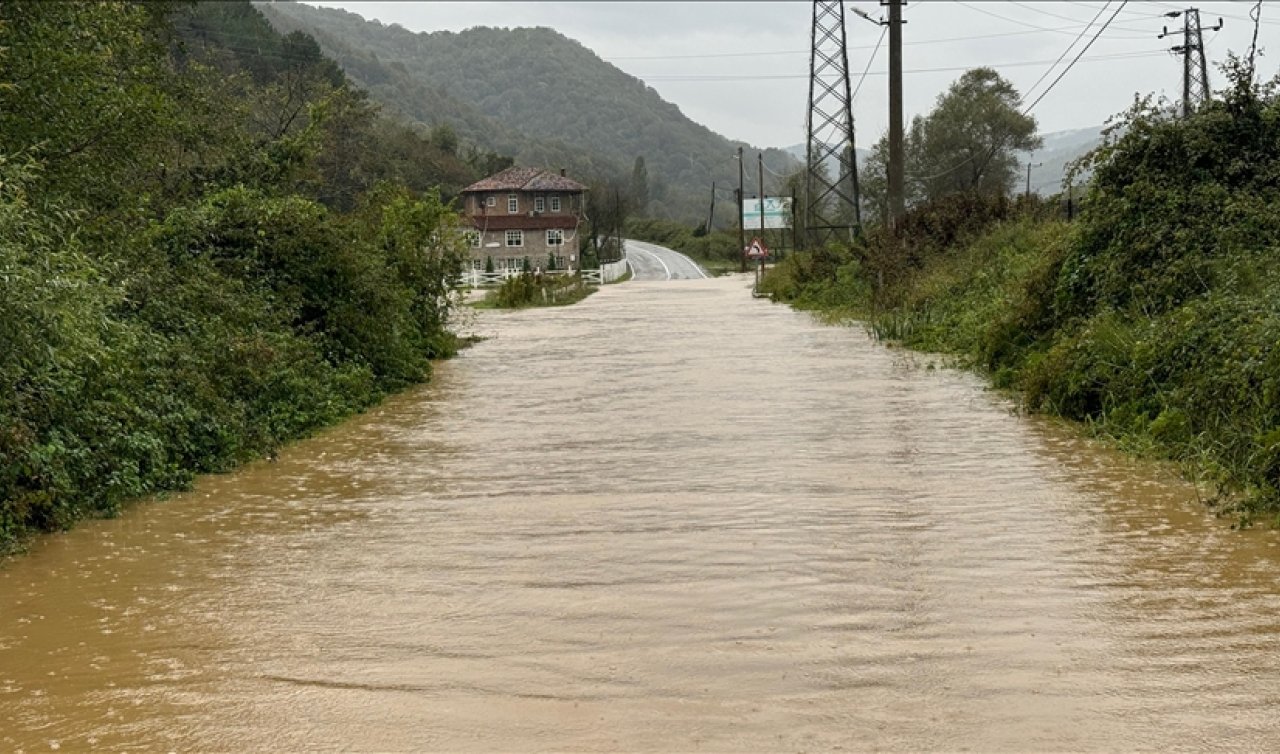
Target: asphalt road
[{"x": 652, "y": 262}]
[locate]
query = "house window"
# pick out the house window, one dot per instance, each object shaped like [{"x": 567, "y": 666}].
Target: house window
[
  {"x": 555, "y": 204},
  {"x": 473, "y": 238},
  {"x": 513, "y": 204},
  {"x": 511, "y": 263},
  {"x": 515, "y": 238},
  {"x": 555, "y": 237},
  {"x": 477, "y": 265},
  {"x": 491, "y": 201},
  {"x": 539, "y": 205}
]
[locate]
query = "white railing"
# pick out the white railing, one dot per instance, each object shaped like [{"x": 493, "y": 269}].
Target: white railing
[
  {"x": 607, "y": 273},
  {"x": 613, "y": 271}
]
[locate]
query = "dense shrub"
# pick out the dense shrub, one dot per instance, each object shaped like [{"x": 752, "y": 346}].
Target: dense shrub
[
  {"x": 1155, "y": 318},
  {"x": 176, "y": 296},
  {"x": 528, "y": 290}
]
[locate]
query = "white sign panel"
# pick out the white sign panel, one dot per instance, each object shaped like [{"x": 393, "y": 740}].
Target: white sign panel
[{"x": 777, "y": 213}]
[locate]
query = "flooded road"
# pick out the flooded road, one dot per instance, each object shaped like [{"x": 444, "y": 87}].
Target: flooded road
[{"x": 668, "y": 518}]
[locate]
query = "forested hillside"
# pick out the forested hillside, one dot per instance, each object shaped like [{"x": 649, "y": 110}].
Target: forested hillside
[
  {"x": 534, "y": 94},
  {"x": 210, "y": 243}
]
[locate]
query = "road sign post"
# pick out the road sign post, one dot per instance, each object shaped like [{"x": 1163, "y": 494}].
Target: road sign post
[{"x": 757, "y": 250}]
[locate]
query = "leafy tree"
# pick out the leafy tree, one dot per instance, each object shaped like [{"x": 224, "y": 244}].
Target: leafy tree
[
  {"x": 968, "y": 143},
  {"x": 210, "y": 243},
  {"x": 86, "y": 92}
]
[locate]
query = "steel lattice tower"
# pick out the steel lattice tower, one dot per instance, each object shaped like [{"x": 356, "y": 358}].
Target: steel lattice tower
[
  {"x": 831, "y": 208},
  {"x": 1195, "y": 69}
]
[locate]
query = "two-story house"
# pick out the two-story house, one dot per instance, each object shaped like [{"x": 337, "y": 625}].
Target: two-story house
[{"x": 524, "y": 214}]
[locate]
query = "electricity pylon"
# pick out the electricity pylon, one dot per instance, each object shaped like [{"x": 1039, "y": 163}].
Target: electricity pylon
[
  {"x": 1195, "y": 70},
  {"x": 831, "y": 208}
]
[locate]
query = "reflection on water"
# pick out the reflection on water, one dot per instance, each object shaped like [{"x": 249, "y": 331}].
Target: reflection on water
[{"x": 670, "y": 517}]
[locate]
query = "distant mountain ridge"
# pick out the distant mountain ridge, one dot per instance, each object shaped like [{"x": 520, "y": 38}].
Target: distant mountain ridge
[
  {"x": 534, "y": 94},
  {"x": 1059, "y": 150}
]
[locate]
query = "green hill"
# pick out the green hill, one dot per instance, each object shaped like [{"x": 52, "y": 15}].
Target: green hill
[{"x": 536, "y": 95}]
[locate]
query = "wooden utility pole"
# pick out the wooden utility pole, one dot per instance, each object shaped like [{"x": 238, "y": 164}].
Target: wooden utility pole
[
  {"x": 760, "y": 160},
  {"x": 742, "y": 230},
  {"x": 711, "y": 214},
  {"x": 1029, "y": 166},
  {"x": 897, "y": 202}
]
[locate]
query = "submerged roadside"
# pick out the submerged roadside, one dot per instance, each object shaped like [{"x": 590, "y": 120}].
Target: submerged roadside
[{"x": 1197, "y": 384}]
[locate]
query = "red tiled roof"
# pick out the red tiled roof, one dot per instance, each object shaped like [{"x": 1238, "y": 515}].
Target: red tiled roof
[{"x": 525, "y": 179}]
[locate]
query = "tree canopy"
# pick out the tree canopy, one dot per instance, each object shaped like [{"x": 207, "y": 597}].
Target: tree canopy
[
  {"x": 968, "y": 143},
  {"x": 210, "y": 243}
]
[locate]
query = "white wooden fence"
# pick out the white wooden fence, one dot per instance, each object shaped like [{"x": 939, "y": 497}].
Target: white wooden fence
[
  {"x": 607, "y": 273},
  {"x": 612, "y": 271}
]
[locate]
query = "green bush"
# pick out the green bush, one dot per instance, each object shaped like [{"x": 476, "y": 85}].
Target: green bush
[
  {"x": 1155, "y": 318},
  {"x": 528, "y": 290}
]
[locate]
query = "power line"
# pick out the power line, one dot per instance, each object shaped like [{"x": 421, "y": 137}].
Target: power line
[
  {"x": 1031, "y": 107},
  {"x": 945, "y": 40},
  {"x": 714, "y": 77},
  {"x": 1077, "y": 58},
  {"x": 1059, "y": 16},
  {"x": 1133, "y": 13},
  {"x": 1222, "y": 15},
  {"x": 1049, "y": 70},
  {"x": 883, "y": 30},
  {"x": 1026, "y": 23}
]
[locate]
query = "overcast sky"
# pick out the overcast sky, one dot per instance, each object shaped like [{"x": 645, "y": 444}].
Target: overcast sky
[{"x": 741, "y": 68}]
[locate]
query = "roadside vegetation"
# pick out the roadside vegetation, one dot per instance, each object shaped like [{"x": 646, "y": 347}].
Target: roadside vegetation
[
  {"x": 210, "y": 243},
  {"x": 530, "y": 290},
  {"x": 1154, "y": 317}
]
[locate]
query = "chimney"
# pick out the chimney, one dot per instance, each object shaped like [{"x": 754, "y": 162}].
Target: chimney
[{"x": 561, "y": 172}]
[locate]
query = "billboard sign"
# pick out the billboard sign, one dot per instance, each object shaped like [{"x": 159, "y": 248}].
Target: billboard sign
[{"x": 777, "y": 212}]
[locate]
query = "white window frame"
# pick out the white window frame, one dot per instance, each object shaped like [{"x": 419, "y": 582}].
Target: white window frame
[
  {"x": 518, "y": 235},
  {"x": 539, "y": 204},
  {"x": 512, "y": 263},
  {"x": 477, "y": 265},
  {"x": 513, "y": 204},
  {"x": 473, "y": 238},
  {"x": 491, "y": 201},
  {"x": 557, "y": 234},
  {"x": 555, "y": 204}
]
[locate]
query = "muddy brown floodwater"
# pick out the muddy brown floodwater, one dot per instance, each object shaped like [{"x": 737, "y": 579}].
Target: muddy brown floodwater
[{"x": 668, "y": 518}]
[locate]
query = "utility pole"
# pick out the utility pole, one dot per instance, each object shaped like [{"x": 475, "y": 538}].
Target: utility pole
[
  {"x": 742, "y": 231},
  {"x": 1029, "y": 166},
  {"x": 617, "y": 222},
  {"x": 897, "y": 155},
  {"x": 1195, "y": 69},
  {"x": 831, "y": 203},
  {"x": 760, "y": 159},
  {"x": 711, "y": 214}
]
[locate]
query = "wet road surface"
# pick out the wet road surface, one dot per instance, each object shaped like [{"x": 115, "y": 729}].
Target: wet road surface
[{"x": 668, "y": 518}]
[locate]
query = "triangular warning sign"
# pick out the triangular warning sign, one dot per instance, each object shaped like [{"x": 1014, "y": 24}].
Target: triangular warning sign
[{"x": 757, "y": 249}]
